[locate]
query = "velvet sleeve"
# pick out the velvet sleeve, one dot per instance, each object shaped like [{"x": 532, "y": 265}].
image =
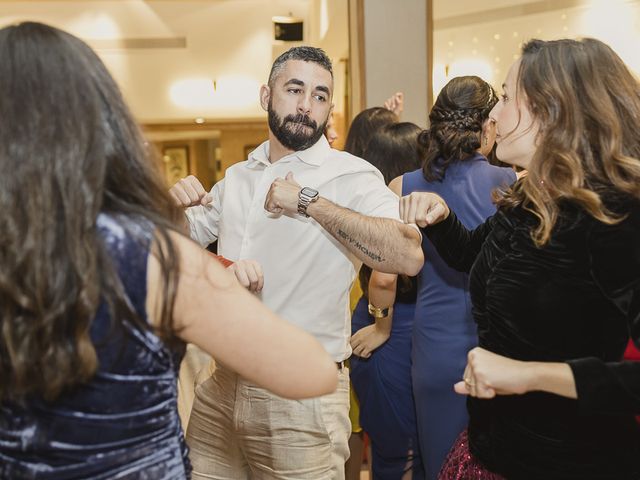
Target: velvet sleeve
[
  {"x": 458, "y": 246},
  {"x": 614, "y": 387}
]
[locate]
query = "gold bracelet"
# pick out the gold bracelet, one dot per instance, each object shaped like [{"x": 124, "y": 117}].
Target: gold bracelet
[{"x": 377, "y": 312}]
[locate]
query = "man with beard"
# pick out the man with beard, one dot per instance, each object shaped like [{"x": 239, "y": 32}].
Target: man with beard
[{"x": 310, "y": 243}]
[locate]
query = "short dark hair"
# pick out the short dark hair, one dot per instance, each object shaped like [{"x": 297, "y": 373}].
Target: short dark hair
[
  {"x": 304, "y": 53},
  {"x": 394, "y": 150},
  {"x": 364, "y": 126}
]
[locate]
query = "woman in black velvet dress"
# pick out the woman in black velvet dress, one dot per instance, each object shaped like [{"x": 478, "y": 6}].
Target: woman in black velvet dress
[{"x": 554, "y": 275}]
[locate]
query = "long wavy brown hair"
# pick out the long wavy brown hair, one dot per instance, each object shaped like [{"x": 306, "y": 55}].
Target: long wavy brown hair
[
  {"x": 69, "y": 150},
  {"x": 455, "y": 124},
  {"x": 586, "y": 103}
]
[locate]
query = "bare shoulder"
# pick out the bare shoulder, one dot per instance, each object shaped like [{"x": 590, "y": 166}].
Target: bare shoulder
[{"x": 396, "y": 185}]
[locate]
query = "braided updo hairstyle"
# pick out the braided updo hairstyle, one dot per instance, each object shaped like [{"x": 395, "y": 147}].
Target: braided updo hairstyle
[{"x": 456, "y": 124}]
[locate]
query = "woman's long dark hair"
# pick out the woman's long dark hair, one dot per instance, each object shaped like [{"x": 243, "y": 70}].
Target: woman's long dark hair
[
  {"x": 394, "y": 150},
  {"x": 456, "y": 121},
  {"x": 364, "y": 126},
  {"x": 69, "y": 149}
]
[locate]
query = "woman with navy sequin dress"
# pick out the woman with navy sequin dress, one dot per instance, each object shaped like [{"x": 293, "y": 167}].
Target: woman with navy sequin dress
[
  {"x": 554, "y": 275},
  {"x": 99, "y": 290}
]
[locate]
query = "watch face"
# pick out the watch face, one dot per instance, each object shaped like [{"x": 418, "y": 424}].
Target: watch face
[{"x": 309, "y": 192}]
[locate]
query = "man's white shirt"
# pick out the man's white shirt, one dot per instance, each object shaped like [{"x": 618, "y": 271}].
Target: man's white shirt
[{"x": 307, "y": 273}]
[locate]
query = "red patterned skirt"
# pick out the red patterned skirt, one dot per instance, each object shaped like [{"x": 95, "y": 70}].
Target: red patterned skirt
[{"x": 461, "y": 465}]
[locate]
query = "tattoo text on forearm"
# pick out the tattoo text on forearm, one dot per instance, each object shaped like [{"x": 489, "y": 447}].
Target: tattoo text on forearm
[{"x": 359, "y": 246}]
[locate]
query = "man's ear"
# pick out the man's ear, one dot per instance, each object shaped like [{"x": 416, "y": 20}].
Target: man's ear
[{"x": 265, "y": 95}]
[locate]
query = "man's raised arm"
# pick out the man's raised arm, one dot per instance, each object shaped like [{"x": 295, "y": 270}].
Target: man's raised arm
[{"x": 383, "y": 244}]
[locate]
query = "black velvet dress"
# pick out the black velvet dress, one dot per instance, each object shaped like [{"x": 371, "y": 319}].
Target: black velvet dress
[{"x": 575, "y": 300}]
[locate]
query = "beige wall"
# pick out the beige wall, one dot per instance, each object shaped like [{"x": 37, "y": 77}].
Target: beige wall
[
  {"x": 396, "y": 57},
  {"x": 227, "y": 41}
]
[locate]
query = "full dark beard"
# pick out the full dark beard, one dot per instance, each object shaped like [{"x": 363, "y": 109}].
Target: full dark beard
[{"x": 293, "y": 132}]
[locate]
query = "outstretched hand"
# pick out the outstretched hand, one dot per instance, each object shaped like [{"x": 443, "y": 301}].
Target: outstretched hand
[
  {"x": 423, "y": 209},
  {"x": 188, "y": 192}
]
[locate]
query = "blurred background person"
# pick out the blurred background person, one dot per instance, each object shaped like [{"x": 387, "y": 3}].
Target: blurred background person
[
  {"x": 458, "y": 140},
  {"x": 381, "y": 333},
  {"x": 363, "y": 127}
]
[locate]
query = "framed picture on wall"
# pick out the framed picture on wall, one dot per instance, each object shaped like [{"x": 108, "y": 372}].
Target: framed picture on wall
[{"x": 176, "y": 163}]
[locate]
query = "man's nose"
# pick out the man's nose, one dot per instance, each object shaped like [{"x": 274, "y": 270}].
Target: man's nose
[{"x": 304, "y": 105}]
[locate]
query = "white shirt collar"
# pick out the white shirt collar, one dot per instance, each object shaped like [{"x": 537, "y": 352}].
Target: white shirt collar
[{"x": 314, "y": 155}]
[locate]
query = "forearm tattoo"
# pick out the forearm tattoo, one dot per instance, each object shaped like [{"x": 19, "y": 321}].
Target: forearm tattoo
[{"x": 352, "y": 241}]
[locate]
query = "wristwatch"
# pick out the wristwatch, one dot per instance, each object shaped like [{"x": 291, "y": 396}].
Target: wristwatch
[
  {"x": 306, "y": 196},
  {"x": 376, "y": 312}
]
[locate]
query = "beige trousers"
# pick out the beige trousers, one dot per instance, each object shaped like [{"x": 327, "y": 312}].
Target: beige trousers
[{"x": 240, "y": 431}]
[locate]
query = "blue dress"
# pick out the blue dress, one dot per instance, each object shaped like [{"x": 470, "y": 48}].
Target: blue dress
[
  {"x": 443, "y": 329},
  {"x": 383, "y": 386},
  {"x": 122, "y": 424}
]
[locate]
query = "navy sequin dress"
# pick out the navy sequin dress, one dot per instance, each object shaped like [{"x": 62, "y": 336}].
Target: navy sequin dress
[{"x": 124, "y": 423}]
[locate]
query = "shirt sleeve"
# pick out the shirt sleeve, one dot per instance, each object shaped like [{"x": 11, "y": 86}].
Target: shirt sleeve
[
  {"x": 614, "y": 387},
  {"x": 204, "y": 220},
  {"x": 458, "y": 246},
  {"x": 366, "y": 193}
]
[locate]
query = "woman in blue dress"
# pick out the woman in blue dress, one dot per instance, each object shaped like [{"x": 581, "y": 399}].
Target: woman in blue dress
[
  {"x": 458, "y": 140},
  {"x": 381, "y": 333},
  {"x": 99, "y": 290}
]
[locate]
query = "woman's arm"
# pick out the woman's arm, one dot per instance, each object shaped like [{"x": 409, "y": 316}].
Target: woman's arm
[
  {"x": 599, "y": 386},
  {"x": 457, "y": 246},
  {"x": 215, "y": 313},
  {"x": 382, "y": 294},
  {"x": 488, "y": 374},
  {"x": 614, "y": 387}
]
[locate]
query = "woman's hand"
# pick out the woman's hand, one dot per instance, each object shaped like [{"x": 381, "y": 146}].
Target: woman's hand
[
  {"x": 249, "y": 273},
  {"x": 367, "y": 339},
  {"x": 488, "y": 374},
  {"x": 423, "y": 209}
]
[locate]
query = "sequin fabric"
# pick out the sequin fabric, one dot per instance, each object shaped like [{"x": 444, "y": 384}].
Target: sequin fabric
[
  {"x": 461, "y": 465},
  {"x": 123, "y": 424}
]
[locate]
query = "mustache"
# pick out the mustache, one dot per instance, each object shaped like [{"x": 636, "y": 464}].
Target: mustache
[{"x": 302, "y": 119}]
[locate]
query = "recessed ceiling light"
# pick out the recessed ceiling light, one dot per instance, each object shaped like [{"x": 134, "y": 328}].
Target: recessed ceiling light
[{"x": 199, "y": 120}]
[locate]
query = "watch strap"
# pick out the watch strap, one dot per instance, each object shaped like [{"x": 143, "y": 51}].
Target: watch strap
[{"x": 306, "y": 196}]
